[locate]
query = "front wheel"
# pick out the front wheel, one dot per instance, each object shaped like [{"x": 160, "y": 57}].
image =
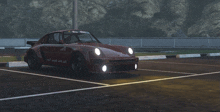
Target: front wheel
[
  {"x": 33, "y": 62},
  {"x": 78, "y": 65}
]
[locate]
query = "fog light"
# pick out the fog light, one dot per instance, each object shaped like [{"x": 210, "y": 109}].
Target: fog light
[
  {"x": 135, "y": 66},
  {"x": 104, "y": 68}
]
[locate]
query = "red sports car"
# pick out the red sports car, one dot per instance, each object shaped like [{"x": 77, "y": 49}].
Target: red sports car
[{"x": 80, "y": 51}]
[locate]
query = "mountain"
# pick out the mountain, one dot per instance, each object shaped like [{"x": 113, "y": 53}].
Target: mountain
[{"x": 111, "y": 18}]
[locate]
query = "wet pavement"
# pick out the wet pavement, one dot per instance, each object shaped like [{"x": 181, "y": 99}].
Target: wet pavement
[{"x": 158, "y": 86}]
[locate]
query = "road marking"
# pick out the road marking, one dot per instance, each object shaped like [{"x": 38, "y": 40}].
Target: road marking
[
  {"x": 182, "y": 63},
  {"x": 99, "y": 87},
  {"x": 55, "y": 77},
  {"x": 166, "y": 71}
]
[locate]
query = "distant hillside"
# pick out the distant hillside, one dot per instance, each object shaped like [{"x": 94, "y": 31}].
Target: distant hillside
[{"x": 111, "y": 18}]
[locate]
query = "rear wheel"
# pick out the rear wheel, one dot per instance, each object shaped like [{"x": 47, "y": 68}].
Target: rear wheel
[
  {"x": 33, "y": 61},
  {"x": 78, "y": 65}
]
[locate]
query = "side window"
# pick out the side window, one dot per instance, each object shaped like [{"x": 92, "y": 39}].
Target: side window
[
  {"x": 70, "y": 39},
  {"x": 60, "y": 36},
  {"x": 51, "y": 39},
  {"x": 54, "y": 38}
]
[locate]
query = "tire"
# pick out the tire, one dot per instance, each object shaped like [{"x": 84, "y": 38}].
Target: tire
[
  {"x": 33, "y": 61},
  {"x": 78, "y": 65}
]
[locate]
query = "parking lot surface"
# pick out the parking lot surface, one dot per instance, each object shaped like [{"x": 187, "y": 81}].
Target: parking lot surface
[{"x": 158, "y": 86}]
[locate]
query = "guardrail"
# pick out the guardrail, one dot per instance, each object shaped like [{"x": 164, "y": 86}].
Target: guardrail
[
  {"x": 166, "y": 42},
  {"x": 160, "y": 42},
  {"x": 19, "y": 45}
]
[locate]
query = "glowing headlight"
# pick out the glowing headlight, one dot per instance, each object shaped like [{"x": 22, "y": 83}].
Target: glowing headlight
[
  {"x": 130, "y": 51},
  {"x": 104, "y": 68},
  {"x": 97, "y": 51},
  {"x": 135, "y": 66}
]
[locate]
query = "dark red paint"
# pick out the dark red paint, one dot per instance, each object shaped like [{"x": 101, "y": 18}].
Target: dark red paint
[{"x": 116, "y": 57}]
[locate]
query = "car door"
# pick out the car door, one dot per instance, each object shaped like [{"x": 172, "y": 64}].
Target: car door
[
  {"x": 48, "y": 49},
  {"x": 57, "y": 49},
  {"x": 61, "y": 51},
  {"x": 44, "y": 49}
]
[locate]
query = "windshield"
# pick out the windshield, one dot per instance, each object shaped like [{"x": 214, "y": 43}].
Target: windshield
[{"x": 78, "y": 36}]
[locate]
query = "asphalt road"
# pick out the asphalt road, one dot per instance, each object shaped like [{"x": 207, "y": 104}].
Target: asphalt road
[{"x": 181, "y": 85}]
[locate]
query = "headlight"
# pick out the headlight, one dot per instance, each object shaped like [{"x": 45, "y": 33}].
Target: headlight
[
  {"x": 97, "y": 51},
  {"x": 104, "y": 68},
  {"x": 130, "y": 51},
  {"x": 135, "y": 66}
]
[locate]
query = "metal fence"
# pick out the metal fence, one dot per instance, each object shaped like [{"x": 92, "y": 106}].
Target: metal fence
[{"x": 159, "y": 42}]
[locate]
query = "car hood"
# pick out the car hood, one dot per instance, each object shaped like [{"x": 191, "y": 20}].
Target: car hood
[{"x": 109, "y": 51}]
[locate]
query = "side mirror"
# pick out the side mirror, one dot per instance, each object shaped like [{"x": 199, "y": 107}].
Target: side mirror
[{"x": 61, "y": 42}]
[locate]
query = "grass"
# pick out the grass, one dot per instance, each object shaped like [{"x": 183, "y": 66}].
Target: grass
[{"x": 11, "y": 58}]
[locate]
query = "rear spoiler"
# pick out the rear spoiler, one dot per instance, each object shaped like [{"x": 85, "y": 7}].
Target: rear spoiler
[{"x": 31, "y": 43}]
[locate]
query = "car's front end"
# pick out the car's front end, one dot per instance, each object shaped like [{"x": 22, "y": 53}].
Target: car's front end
[
  {"x": 113, "y": 65},
  {"x": 112, "y": 59}
]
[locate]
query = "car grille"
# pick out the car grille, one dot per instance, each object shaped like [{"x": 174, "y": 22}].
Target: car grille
[
  {"x": 122, "y": 68},
  {"x": 97, "y": 61},
  {"x": 125, "y": 61},
  {"x": 100, "y": 61}
]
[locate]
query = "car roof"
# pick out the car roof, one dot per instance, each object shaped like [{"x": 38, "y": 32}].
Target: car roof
[{"x": 60, "y": 31}]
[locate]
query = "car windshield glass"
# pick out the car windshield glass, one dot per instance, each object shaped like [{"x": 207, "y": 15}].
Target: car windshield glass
[{"x": 78, "y": 36}]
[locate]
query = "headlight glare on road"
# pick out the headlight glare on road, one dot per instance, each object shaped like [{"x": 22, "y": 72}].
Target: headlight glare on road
[
  {"x": 97, "y": 51},
  {"x": 130, "y": 51},
  {"x": 104, "y": 68}
]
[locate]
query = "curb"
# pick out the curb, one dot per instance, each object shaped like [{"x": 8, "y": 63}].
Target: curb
[
  {"x": 153, "y": 57},
  {"x": 2, "y": 47},
  {"x": 213, "y": 54},
  {"x": 188, "y": 55},
  {"x": 16, "y": 64},
  {"x": 156, "y": 57}
]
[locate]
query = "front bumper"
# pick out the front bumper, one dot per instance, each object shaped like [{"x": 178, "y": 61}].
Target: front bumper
[{"x": 113, "y": 66}]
